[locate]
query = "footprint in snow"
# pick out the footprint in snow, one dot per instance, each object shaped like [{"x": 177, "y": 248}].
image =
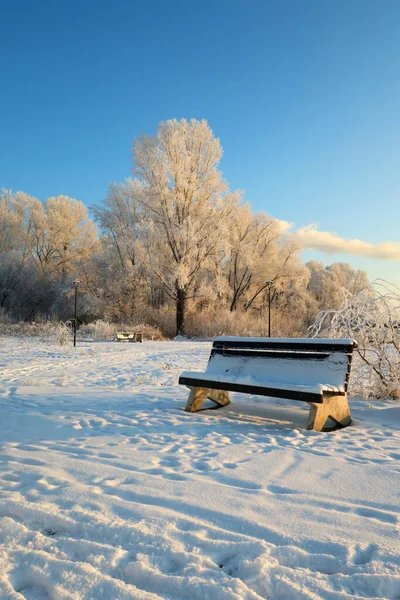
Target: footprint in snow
[
  {"x": 277, "y": 489},
  {"x": 34, "y": 592},
  {"x": 379, "y": 515},
  {"x": 31, "y": 586},
  {"x": 362, "y": 556}
]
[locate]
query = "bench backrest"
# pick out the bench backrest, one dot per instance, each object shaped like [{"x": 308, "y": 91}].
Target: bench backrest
[{"x": 298, "y": 361}]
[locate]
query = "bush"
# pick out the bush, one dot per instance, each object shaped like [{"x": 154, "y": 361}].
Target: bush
[
  {"x": 372, "y": 318},
  {"x": 99, "y": 330},
  {"x": 45, "y": 329},
  {"x": 103, "y": 330},
  {"x": 63, "y": 334},
  {"x": 210, "y": 323},
  {"x": 149, "y": 332}
]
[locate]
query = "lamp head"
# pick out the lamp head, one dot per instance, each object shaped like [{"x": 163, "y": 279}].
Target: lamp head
[{"x": 76, "y": 282}]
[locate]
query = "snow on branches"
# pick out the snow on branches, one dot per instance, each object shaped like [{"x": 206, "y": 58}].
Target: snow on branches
[{"x": 372, "y": 318}]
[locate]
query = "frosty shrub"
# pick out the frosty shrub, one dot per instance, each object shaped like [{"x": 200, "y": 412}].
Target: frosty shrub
[
  {"x": 210, "y": 323},
  {"x": 63, "y": 334},
  {"x": 149, "y": 332},
  {"x": 105, "y": 331},
  {"x": 44, "y": 329},
  {"x": 5, "y": 318},
  {"x": 162, "y": 320},
  {"x": 372, "y": 318}
]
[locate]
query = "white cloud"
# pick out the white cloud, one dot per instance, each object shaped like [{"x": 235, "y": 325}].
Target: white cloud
[
  {"x": 284, "y": 225},
  {"x": 310, "y": 238}
]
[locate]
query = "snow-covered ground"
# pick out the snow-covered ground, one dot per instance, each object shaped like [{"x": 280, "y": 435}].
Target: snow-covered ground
[{"x": 109, "y": 490}]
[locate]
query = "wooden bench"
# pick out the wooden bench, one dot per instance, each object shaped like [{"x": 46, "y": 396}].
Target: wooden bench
[
  {"x": 316, "y": 371},
  {"x": 125, "y": 336}
]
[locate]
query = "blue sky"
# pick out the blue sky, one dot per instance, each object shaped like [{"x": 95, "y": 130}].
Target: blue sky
[{"x": 304, "y": 96}]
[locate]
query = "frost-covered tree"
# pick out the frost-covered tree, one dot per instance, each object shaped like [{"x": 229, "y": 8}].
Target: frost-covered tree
[
  {"x": 186, "y": 205},
  {"x": 326, "y": 284},
  {"x": 175, "y": 246},
  {"x": 15, "y": 223},
  {"x": 119, "y": 218},
  {"x": 372, "y": 318},
  {"x": 61, "y": 236},
  {"x": 40, "y": 243},
  {"x": 9, "y": 223},
  {"x": 251, "y": 244},
  {"x": 281, "y": 269},
  {"x": 354, "y": 281},
  {"x": 23, "y": 292},
  {"x": 118, "y": 273}
]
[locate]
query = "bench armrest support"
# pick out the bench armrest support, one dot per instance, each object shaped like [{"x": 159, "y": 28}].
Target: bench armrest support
[
  {"x": 198, "y": 395},
  {"x": 332, "y": 407}
]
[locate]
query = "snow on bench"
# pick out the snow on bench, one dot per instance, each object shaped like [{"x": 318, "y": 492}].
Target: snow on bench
[
  {"x": 125, "y": 336},
  {"x": 311, "y": 370}
]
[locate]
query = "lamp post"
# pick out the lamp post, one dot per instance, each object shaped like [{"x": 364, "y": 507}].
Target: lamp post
[
  {"x": 269, "y": 284},
  {"x": 76, "y": 283}
]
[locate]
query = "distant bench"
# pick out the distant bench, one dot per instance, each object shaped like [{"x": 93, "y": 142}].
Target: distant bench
[
  {"x": 316, "y": 371},
  {"x": 126, "y": 336}
]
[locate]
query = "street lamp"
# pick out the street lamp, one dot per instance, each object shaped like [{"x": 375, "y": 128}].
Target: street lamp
[
  {"x": 269, "y": 284},
  {"x": 76, "y": 283}
]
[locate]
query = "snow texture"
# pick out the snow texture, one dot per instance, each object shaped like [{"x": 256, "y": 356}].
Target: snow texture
[
  {"x": 109, "y": 490},
  {"x": 285, "y": 374}
]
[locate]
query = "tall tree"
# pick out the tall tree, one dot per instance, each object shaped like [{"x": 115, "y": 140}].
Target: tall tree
[{"x": 186, "y": 205}]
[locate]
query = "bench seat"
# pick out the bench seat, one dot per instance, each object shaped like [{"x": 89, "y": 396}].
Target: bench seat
[
  {"x": 125, "y": 336},
  {"x": 250, "y": 385},
  {"x": 310, "y": 370}
]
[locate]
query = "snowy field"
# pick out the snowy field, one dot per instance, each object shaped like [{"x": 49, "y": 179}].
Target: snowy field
[{"x": 109, "y": 490}]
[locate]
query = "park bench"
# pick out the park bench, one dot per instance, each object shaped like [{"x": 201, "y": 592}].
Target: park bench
[
  {"x": 126, "y": 336},
  {"x": 316, "y": 371}
]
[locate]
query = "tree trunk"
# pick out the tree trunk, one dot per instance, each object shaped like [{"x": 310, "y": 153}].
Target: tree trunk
[
  {"x": 180, "y": 311},
  {"x": 63, "y": 269}
]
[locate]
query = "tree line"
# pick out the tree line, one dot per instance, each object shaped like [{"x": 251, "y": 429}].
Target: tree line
[{"x": 171, "y": 246}]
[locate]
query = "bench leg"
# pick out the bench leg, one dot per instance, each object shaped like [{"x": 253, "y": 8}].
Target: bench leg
[
  {"x": 334, "y": 407},
  {"x": 198, "y": 395}
]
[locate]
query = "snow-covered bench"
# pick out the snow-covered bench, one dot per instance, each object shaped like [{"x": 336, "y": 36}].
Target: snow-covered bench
[
  {"x": 125, "y": 336},
  {"x": 312, "y": 370}
]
